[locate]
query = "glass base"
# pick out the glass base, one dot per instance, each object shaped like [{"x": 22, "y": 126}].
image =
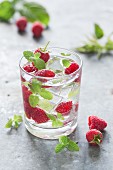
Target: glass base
[{"x": 51, "y": 133}]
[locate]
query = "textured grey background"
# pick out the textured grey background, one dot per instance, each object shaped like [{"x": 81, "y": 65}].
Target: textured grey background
[{"x": 70, "y": 21}]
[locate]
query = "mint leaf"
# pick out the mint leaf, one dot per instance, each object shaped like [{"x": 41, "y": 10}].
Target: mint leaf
[
  {"x": 37, "y": 55},
  {"x": 39, "y": 63},
  {"x": 73, "y": 93},
  {"x": 18, "y": 118},
  {"x": 57, "y": 123},
  {"x": 109, "y": 45},
  {"x": 64, "y": 54},
  {"x": 28, "y": 55},
  {"x": 33, "y": 100},
  {"x": 64, "y": 140},
  {"x": 35, "y": 86},
  {"x": 45, "y": 104},
  {"x": 16, "y": 124},
  {"x": 6, "y": 10},
  {"x": 72, "y": 146},
  {"x": 98, "y": 31},
  {"x": 35, "y": 12},
  {"x": 46, "y": 94},
  {"x": 51, "y": 117},
  {"x": 59, "y": 148},
  {"x": 66, "y": 63},
  {"x": 9, "y": 123},
  {"x": 59, "y": 116}
]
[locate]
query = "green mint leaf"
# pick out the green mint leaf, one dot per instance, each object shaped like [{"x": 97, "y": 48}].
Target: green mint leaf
[
  {"x": 98, "y": 31},
  {"x": 16, "y": 124},
  {"x": 37, "y": 55},
  {"x": 64, "y": 54},
  {"x": 109, "y": 45},
  {"x": 35, "y": 86},
  {"x": 39, "y": 63},
  {"x": 88, "y": 48},
  {"x": 28, "y": 55},
  {"x": 51, "y": 117},
  {"x": 45, "y": 104},
  {"x": 72, "y": 146},
  {"x": 73, "y": 93},
  {"x": 35, "y": 12},
  {"x": 6, "y": 10},
  {"x": 59, "y": 116},
  {"x": 58, "y": 71},
  {"x": 66, "y": 63},
  {"x": 33, "y": 100},
  {"x": 46, "y": 94},
  {"x": 18, "y": 118},
  {"x": 64, "y": 140},
  {"x": 26, "y": 83},
  {"x": 57, "y": 123},
  {"x": 59, "y": 147},
  {"x": 9, "y": 123}
]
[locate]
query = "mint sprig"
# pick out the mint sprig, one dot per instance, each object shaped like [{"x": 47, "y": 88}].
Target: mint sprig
[
  {"x": 93, "y": 45},
  {"x": 65, "y": 142},
  {"x": 14, "y": 122},
  {"x": 65, "y": 54},
  {"x": 66, "y": 63},
  {"x": 35, "y": 58},
  {"x": 56, "y": 120}
]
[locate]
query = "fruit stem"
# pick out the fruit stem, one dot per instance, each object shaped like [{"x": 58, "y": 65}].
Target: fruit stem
[{"x": 46, "y": 46}]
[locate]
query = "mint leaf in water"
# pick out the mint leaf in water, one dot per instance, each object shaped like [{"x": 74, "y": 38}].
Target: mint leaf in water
[
  {"x": 33, "y": 100},
  {"x": 59, "y": 116},
  {"x": 66, "y": 63},
  {"x": 6, "y": 10},
  {"x": 45, "y": 104},
  {"x": 9, "y": 123},
  {"x": 28, "y": 55},
  {"x": 35, "y": 12},
  {"x": 37, "y": 55},
  {"x": 39, "y": 63},
  {"x": 65, "y": 142},
  {"x": 99, "y": 33},
  {"x": 64, "y": 54},
  {"x": 57, "y": 123},
  {"x": 46, "y": 94},
  {"x": 35, "y": 86}
]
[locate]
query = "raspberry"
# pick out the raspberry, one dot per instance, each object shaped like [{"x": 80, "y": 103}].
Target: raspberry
[
  {"x": 22, "y": 79},
  {"x": 76, "y": 107},
  {"x": 73, "y": 67},
  {"x": 26, "y": 93},
  {"x": 21, "y": 23},
  {"x": 28, "y": 110},
  {"x": 39, "y": 115},
  {"x": 30, "y": 68},
  {"x": 64, "y": 108},
  {"x": 45, "y": 73},
  {"x": 44, "y": 55},
  {"x": 95, "y": 122},
  {"x": 94, "y": 136},
  {"x": 37, "y": 29}
]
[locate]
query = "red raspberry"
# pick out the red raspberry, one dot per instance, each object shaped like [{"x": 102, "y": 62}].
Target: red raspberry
[
  {"x": 30, "y": 68},
  {"x": 95, "y": 122},
  {"x": 45, "y": 73},
  {"x": 44, "y": 55},
  {"x": 39, "y": 115},
  {"x": 28, "y": 109},
  {"x": 21, "y": 23},
  {"x": 94, "y": 137},
  {"x": 22, "y": 79},
  {"x": 26, "y": 93},
  {"x": 64, "y": 108},
  {"x": 37, "y": 29},
  {"x": 73, "y": 67},
  {"x": 76, "y": 107}
]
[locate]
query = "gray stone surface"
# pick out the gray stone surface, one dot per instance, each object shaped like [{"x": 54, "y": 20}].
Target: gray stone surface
[{"x": 70, "y": 21}]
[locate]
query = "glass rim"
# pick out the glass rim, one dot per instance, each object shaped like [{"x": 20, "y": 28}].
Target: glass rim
[{"x": 49, "y": 78}]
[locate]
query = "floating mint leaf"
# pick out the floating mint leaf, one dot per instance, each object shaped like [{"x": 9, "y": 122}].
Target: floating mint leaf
[
  {"x": 98, "y": 31},
  {"x": 35, "y": 86},
  {"x": 28, "y": 55},
  {"x": 6, "y": 10},
  {"x": 66, "y": 63},
  {"x": 59, "y": 116},
  {"x": 72, "y": 146},
  {"x": 45, "y": 104},
  {"x": 46, "y": 94},
  {"x": 58, "y": 71},
  {"x": 26, "y": 83},
  {"x": 59, "y": 147},
  {"x": 33, "y": 100},
  {"x": 9, "y": 123},
  {"x": 57, "y": 123},
  {"x": 73, "y": 93},
  {"x": 35, "y": 12},
  {"x": 37, "y": 55},
  {"x": 39, "y": 63},
  {"x": 64, "y": 54},
  {"x": 51, "y": 117}
]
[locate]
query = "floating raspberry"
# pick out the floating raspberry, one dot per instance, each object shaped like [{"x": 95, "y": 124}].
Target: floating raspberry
[
  {"x": 64, "y": 108},
  {"x": 73, "y": 67}
]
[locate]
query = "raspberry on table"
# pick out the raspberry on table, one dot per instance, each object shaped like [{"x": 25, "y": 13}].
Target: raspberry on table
[{"x": 21, "y": 23}]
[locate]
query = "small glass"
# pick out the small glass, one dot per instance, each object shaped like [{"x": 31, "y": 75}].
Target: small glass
[{"x": 45, "y": 120}]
